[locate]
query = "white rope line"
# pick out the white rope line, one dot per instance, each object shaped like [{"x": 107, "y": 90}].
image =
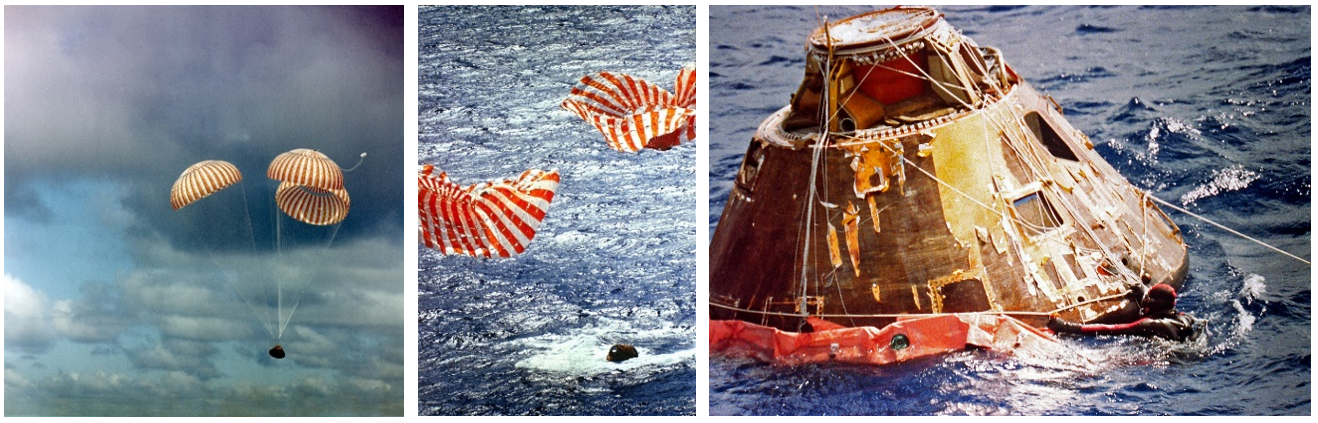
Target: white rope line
[
  {"x": 1232, "y": 231},
  {"x": 899, "y": 315},
  {"x": 1031, "y": 158},
  {"x": 1144, "y": 237}
]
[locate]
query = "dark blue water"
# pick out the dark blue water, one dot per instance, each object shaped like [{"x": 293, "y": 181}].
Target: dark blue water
[
  {"x": 614, "y": 260},
  {"x": 1206, "y": 107}
]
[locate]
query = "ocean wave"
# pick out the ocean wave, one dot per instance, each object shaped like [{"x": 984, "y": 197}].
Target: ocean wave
[{"x": 1233, "y": 178}]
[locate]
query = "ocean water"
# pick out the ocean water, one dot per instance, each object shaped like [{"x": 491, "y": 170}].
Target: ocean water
[
  {"x": 613, "y": 262},
  {"x": 1206, "y": 107}
]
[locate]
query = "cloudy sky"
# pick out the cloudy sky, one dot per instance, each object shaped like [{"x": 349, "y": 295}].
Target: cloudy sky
[{"x": 117, "y": 304}]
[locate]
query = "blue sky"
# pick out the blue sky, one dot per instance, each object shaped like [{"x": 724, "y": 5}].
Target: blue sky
[{"x": 113, "y": 301}]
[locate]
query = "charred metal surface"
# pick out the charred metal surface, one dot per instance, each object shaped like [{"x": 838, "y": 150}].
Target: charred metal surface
[{"x": 978, "y": 198}]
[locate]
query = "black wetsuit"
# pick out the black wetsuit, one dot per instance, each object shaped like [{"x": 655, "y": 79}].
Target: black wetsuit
[{"x": 1169, "y": 325}]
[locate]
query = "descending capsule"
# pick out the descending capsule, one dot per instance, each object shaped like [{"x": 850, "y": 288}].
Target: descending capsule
[
  {"x": 202, "y": 179},
  {"x": 497, "y": 218},
  {"x": 633, "y": 113},
  {"x": 306, "y": 167}
]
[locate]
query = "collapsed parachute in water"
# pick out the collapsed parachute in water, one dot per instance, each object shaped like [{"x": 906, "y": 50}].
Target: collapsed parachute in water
[
  {"x": 904, "y": 340},
  {"x": 486, "y": 219},
  {"x": 633, "y": 113},
  {"x": 202, "y": 179}
]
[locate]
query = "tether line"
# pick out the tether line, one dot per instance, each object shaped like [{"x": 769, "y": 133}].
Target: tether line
[{"x": 1232, "y": 231}]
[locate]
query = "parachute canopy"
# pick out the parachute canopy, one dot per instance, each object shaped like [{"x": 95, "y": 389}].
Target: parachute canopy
[
  {"x": 306, "y": 167},
  {"x": 486, "y": 219},
  {"x": 313, "y": 206},
  {"x": 202, "y": 179},
  {"x": 311, "y": 187},
  {"x": 633, "y": 113}
]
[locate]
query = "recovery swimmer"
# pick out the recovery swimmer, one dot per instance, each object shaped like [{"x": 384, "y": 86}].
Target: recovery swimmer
[{"x": 1156, "y": 316}]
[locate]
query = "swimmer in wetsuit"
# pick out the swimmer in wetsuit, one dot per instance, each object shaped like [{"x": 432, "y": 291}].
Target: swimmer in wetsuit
[{"x": 1158, "y": 317}]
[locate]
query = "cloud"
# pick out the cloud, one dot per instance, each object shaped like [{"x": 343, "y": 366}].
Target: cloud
[
  {"x": 105, "y": 107},
  {"x": 27, "y": 327},
  {"x": 23, "y": 201},
  {"x": 105, "y": 393},
  {"x": 98, "y": 316},
  {"x": 136, "y": 94},
  {"x": 190, "y": 357}
]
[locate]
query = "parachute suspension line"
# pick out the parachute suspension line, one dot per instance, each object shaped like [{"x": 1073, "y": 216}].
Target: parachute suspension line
[
  {"x": 1033, "y": 166},
  {"x": 251, "y": 234},
  {"x": 284, "y": 324},
  {"x": 359, "y": 163},
  {"x": 1232, "y": 231},
  {"x": 334, "y": 233},
  {"x": 279, "y": 280},
  {"x": 297, "y": 299},
  {"x": 251, "y": 239},
  {"x": 1144, "y": 238},
  {"x": 265, "y": 323},
  {"x": 812, "y": 189}
]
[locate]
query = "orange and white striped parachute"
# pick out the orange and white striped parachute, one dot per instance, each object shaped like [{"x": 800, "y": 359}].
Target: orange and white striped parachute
[
  {"x": 313, "y": 206},
  {"x": 306, "y": 167},
  {"x": 310, "y": 187},
  {"x": 633, "y": 113},
  {"x": 202, "y": 179},
  {"x": 487, "y": 219}
]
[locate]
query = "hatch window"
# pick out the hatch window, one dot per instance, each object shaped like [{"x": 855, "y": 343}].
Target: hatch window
[
  {"x": 750, "y": 167},
  {"x": 1045, "y": 133},
  {"x": 1036, "y": 212}
]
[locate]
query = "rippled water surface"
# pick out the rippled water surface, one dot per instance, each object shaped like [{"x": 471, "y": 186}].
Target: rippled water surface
[
  {"x": 614, "y": 260},
  {"x": 1206, "y": 107}
]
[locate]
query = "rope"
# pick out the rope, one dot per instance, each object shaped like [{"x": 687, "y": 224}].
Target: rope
[
  {"x": 359, "y": 163},
  {"x": 1144, "y": 238},
  {"x": 1029, "y": 157},
  {"x": 1232, "y": 231},
  {"x": 899, "y": 315}
]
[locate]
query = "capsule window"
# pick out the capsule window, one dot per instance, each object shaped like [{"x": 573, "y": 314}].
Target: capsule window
[
  {"x": 1036, "y": 212},
  {"x": 750, "y": 167},
  {"x": 1045, "y": 133}
]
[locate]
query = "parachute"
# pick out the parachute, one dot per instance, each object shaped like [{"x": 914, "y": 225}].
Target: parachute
[
  {"x": 633, "y": 113},
  {"x": 311, "y": 187},
  {"x": 310, "y": 191},
  {"x": 311, "y": 205},
  {"x": 202, "y": 179},
  {"x": 486, "y": 219},
  {"x": 306, "y": 167}
]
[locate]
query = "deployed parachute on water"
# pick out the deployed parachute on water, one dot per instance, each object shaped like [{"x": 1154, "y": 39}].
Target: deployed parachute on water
[
  {"x": 497, "y": 218},
  {"x": 310, "y": 191},
  {"x": 633, "y": 113}
]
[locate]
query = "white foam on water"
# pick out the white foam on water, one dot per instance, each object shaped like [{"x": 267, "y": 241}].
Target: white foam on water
[
  {"x": 1254, "y": 287},
  {"x": 582, "y": 351},
  {"x": 1233, "y": 178}
]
